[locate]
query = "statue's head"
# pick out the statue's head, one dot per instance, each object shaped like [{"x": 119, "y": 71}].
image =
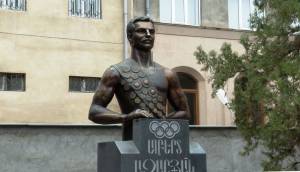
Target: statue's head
[{"x": 141, "y": 33}]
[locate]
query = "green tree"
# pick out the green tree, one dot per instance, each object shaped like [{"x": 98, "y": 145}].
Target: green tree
[{"x": 267, "y": 82}]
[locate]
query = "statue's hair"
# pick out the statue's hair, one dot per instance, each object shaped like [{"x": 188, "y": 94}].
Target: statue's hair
[{"x": 131, "y": 24}]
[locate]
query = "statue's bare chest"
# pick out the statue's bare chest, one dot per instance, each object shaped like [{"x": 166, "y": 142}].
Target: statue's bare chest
[
  {"x": 133, "y": 75},
  {"x": 157, "y": 78},
  {"x": 143, "y": 88}
]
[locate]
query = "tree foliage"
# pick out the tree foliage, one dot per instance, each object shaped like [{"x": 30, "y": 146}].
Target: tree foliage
[{"x": 267, "y": 82}]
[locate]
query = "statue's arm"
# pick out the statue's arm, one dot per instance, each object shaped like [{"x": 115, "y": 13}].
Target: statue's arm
[
  {"x": 98, "y": 112},
  {"x": 176, "y": 97}
]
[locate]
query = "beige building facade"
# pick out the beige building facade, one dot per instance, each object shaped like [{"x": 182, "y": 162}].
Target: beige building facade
[{"x": 48, "y": 45}]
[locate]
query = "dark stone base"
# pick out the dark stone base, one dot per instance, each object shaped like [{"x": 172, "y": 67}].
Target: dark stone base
[{"x": 157, "y": 146}]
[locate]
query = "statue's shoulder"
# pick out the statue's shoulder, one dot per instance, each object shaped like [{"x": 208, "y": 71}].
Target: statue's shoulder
[
  {"x": 123, "y": 66},
  {"x": 159, "y": 66},
  {"x": 163, "y": 68},
  {"x": 125, "y": 62},
  {"x": 169, "y": 73}
]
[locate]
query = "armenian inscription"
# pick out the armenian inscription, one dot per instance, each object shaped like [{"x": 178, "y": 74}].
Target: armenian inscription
[{"x": 157, "y": 146}]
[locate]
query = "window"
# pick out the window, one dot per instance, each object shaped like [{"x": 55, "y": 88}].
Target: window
[
  {"x": 12, "y": 82},
  {"x": 19, "y": 5},
  {"x": 180, "y": 11},
  {"x": 83, "y": 84},
  {"x": 239, "y": 12},
  {"x": 85, "y": 8},
  {"x": 189, "y": 86}
]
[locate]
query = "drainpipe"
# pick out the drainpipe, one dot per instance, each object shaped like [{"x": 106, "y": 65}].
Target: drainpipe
[
  {"x": 125, "y": 15},
  {"x": 148, "y": 8}
]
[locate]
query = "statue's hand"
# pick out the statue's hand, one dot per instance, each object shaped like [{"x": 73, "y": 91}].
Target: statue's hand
[{"x": 139, "y": 113}]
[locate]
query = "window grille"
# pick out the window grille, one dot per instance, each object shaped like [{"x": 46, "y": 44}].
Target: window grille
[
  {"x": 83, "y": 84},
  {"x": 85, "y": 8},
  {"x": 19, "y": 5},
  {"x": 12, "y": 82}
]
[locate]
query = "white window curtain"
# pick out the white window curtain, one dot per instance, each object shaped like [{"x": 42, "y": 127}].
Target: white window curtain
[
  {"x": 239, "y": 12},
  {"x": 83, "y": 84},
  {"x": 2, "y": 82},
  {"x": 180, "y": 11}
]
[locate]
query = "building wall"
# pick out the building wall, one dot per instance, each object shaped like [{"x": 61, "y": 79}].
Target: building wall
[
  {"x": 74, "y": 148},
  {"x": 49, "y": 46},
  {"x": 138, "y": 7},
  {"x": 174, "y": 47},
  {"x": 214, "y": 13}
]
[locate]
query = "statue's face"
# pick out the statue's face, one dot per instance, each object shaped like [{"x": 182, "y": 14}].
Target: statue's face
[{"x": 143, "y": 36}]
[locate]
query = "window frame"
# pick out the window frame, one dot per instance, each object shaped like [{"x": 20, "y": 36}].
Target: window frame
[
  {"x": 20, "y": 75},
  {"x": 197, "y": 109},
  {"x": 173, "y": 13},
  {"x": 195, "y": 92},
  {"x": 82, "y": 77}
]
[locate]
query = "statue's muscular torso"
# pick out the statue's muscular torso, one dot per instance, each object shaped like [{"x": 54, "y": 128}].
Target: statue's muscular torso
[
  {"x": 141, "y": 88},
  {"x": 142, "y": 92}
]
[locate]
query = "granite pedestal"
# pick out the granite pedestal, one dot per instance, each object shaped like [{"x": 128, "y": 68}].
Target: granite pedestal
[{"x": 157, "y": 146}]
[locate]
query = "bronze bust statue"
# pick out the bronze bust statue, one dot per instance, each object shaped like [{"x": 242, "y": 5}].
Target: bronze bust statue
[{"x": 141, "y": 86}]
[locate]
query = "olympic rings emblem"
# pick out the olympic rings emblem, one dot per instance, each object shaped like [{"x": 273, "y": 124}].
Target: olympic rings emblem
[{"x": 164, "y": 129}]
